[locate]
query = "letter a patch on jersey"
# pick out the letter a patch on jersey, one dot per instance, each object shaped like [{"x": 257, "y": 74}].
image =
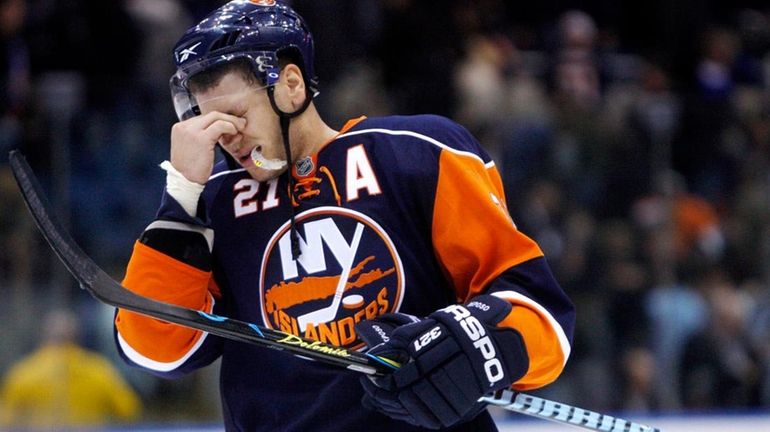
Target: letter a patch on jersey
[{"x": 360, "y": 174}]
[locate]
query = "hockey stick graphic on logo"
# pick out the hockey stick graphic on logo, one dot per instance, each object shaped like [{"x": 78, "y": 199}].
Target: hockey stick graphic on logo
[
  {"x": 328, "y": 313},
  {"x": 100, "y": 285}
]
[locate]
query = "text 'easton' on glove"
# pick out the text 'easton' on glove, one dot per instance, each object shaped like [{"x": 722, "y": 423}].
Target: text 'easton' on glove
[{"x": 449, "y": 360}]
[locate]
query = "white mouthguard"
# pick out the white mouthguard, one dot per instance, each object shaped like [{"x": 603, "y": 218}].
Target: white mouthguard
[{"x": 267, "y": 164}]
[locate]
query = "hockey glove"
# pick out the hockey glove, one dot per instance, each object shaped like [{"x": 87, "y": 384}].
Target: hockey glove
[{"x": 449, "y": 360}]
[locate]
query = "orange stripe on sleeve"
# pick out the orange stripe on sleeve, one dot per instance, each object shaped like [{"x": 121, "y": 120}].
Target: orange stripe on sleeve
[
  {"x": 546, "y": 359},
  {"x": 474, "y": 236},
  {"x": 152, "y": 274}
]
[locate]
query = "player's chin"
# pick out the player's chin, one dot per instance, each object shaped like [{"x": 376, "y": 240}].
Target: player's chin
[{"x": 262, "y": 175}]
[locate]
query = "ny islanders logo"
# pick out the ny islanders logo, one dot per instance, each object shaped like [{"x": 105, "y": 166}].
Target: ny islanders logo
[{"x": 348, "y": 271}]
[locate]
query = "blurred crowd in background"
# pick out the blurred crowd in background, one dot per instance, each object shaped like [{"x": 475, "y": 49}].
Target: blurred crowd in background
[{"x": 634, "y": 142}]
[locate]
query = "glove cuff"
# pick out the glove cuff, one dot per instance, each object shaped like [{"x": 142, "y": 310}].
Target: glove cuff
[{"x": 489, "y": 309}]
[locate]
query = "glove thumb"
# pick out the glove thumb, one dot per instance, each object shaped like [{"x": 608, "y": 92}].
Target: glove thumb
[{"x": 378, "y": 330}]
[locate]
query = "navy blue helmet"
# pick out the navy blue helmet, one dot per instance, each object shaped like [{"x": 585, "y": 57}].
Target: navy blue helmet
[{"x": 260, "y": 31}]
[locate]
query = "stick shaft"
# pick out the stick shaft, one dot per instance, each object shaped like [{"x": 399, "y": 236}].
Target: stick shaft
[{"x": 562, "y": 413}]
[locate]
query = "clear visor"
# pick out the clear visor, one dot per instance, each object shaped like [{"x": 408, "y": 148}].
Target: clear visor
[{"x": 264, "y": 65}]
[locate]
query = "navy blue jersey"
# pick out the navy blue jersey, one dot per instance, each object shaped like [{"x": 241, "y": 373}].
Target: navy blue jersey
[{"x": 396, "y": 214}]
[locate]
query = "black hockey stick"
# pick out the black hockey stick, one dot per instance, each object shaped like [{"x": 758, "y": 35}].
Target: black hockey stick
[{"x": 105, "y": 289}]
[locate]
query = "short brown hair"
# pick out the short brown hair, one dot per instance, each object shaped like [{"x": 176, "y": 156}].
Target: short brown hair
[{"x": 210, "y": 78}]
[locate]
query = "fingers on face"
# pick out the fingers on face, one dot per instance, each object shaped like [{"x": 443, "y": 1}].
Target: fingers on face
[
  {"x": 223, "y": 131},
  {"x": 223, "y": 128}
]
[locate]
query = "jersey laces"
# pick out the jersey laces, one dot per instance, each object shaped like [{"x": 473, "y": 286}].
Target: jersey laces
[{"x": 307, "y": 187}]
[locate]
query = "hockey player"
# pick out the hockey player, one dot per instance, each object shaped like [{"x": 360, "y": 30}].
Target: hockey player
[{"x": 329, "y": 234}]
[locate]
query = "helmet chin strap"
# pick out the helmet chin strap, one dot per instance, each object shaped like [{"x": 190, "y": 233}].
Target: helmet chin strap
[{"x": 285, "y": 120}]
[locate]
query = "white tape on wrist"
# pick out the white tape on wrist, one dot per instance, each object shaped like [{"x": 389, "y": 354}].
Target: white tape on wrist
[{"x": 184, "y": 191}]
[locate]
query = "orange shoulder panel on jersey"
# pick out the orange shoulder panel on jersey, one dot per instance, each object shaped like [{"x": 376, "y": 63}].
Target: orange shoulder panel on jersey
[
  {"x": 155, "y": 275},
  {"x": 474, "y": 236}
]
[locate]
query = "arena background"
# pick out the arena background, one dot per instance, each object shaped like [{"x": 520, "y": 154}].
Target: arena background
[{"x": 633, "y": 138}]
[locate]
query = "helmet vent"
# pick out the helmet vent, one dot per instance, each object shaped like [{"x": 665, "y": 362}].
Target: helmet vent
[
  {"x": 245, "y": 20},
  {"x": 226, "y": 40}
]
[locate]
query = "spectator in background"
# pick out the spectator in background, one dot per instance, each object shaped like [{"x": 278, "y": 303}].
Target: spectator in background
[
  {"x": 641, "y": 147},
  {"x": 14, "y": 72},
  {"x": 576, "y": 74},
  {"x": 638, "y": 371},
  {"x": 698, "y": 229},
  {"x": 481, "y": 81},
  {"x": 16, "y": 252},
  {"x": 62, "y": 385},
  {"x": 507, "y": 106},
  {"x": 753, "y": 28},
  {"x": 720, "y": 367},
  {"x": 581, "y": 146},
  {"x": 17, "y": 238},
  {"x": 704, "y": 152},
  {"x": 679, "y": 230},
  {"x": 758, "y": 332},
  {"x": 695, "y": 226}
]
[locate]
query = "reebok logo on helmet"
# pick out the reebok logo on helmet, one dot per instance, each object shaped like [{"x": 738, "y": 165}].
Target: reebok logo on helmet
[{"x": 185, "y": 53}]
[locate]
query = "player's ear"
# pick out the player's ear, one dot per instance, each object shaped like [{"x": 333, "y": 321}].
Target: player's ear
[{"x": 294, "y": 86}]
